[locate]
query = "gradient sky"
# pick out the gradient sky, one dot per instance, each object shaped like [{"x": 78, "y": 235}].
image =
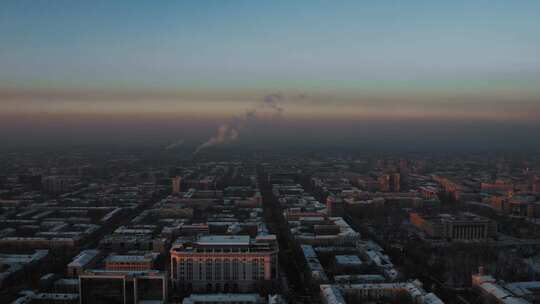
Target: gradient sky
[{"x": 428, "y": 60}]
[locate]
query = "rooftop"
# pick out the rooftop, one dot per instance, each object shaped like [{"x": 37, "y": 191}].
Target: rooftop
[
  {"x": 114, "y": 258},
  {"x": 223, "y": 297},
  {"x": 83, "y": 258},
  {"x": 348, "y": 260},
  {"x": 224, "y": 240}
]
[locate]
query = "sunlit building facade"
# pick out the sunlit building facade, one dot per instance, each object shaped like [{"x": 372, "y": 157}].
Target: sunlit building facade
[{"x": 225, "y": 263}]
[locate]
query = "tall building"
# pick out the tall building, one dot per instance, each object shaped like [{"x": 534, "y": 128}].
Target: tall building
[
  {"x": 390, "y": 182},
  {"x": 384, "y": 183},
  {"x": 233, "y": 263},
  {"x": 395, "y": 182},
  {"x": 335, "y": 206},
  {"x": 536, "y": 185},
  {"x": 176, "y": 184}
]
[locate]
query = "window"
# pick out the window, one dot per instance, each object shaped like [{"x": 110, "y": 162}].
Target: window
[{"x": 217, "y": 270}]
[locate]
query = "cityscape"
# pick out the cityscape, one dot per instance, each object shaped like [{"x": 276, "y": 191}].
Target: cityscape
[
  {"x": 132, "y": 227},
  {"x": 246, "y": 152}
]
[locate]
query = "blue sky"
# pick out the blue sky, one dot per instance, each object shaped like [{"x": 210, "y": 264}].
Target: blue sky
[
  {"x": 379, "y": 46},
  {"x": 431, "y": 73}
]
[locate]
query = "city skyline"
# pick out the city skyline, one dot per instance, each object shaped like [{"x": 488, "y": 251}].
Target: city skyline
[{"x": 276, "y": 152}]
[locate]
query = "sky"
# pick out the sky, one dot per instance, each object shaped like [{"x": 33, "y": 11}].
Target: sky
[{"x": 212, "y": 61}]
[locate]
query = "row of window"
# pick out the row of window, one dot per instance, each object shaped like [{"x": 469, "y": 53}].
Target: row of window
[{"x": 222, "y": 270}]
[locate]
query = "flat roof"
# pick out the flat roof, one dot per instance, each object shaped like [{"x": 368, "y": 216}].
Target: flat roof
[
  {"x": 129, "y": 258},
  {"x": 348, "y": 260},
  {"x": 223, "y": 297},
  {"x": 83, "y": 258},
  {"x": 224, "y": 240}
]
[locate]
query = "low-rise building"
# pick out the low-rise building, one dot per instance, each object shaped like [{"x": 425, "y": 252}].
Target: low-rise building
[
  {"x": 391, "y": 293},
  {"x": 224, "y": 298},
  {"x": 131, "y": 262},
  {"x": 13, "y": 264},
  {"x": 85, "y": 259},
  {"x": 493, "y": 292},
  {"x": 129, "y": 287},
  {"x": 460, "y": 227}
]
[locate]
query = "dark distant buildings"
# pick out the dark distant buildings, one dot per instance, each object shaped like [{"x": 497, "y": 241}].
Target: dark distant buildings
[
  {"x": 14, "y": 266},
  {"x": 536, "y": 185},
  {"x": 32, "y": 181},
  {"x": 56, "y": 184}
]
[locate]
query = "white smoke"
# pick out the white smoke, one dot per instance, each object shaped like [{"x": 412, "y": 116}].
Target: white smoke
[
  {"x": 225, "y": 133},
  {"x": 230, "y": 131},
  {"x": 175, "y": 144}
]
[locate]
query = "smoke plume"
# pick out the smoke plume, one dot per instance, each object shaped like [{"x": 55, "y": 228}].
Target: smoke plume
[
  {"x": 272, "y": 101},
  {"x": 175, "y": 144},
  {"x": 225, "y": 133},
  {"x": 230, "y": 131}
]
